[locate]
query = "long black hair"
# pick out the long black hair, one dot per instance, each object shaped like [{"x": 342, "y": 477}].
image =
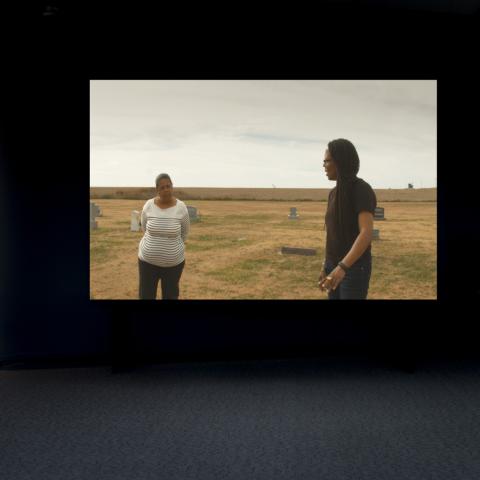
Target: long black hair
[{"x": 347, "y": 163}]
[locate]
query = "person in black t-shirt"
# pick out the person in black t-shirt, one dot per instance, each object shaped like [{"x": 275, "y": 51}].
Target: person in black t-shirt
[{"x": 349, "y": 221}]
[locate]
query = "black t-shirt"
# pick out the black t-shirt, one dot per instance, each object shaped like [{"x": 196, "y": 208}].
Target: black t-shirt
[{"x": 363, "y": 200}]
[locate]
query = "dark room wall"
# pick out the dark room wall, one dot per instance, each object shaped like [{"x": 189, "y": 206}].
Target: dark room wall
[{"x": 45, "y": 310}]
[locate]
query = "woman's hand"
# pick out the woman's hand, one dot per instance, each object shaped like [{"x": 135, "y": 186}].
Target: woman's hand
[{"x": 332, "y": 281}]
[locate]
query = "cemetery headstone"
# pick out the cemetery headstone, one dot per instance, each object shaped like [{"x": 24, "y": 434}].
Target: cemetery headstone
[
  {"x": 293, "y": 214},
  {"x": 192, "y": 213},
  {"x": 379, "y": 213},
  {"x": 96, "y": 208},
  {"x": 135, "y": 221},
  {"x": 93, "y": 222}
]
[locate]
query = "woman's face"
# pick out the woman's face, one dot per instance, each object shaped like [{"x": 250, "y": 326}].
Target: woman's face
[
  {"x": 329, "y": 166},
  {"x": 165, "y": 189}
]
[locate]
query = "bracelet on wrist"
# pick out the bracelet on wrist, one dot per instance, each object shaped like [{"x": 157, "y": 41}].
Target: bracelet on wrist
[{"x": 343, "y": 267}]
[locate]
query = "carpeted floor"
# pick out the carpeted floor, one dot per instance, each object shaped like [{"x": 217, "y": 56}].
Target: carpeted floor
[{"x": 296, "y": 419}]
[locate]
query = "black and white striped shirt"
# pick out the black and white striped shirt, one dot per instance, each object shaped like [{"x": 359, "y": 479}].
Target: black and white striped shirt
[{"x": 165, "y": 232}]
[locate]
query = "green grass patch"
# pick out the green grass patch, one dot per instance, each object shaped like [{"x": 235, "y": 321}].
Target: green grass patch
[
  {"x": 282, "y": 271},
  {"x": 206, "y": 222},
  {"x": 241, "y": 272},
  {"x": 209, "y": 238},
  {"x": 413, "y": 268},
  {"x": 202, "y": 243},
  {"x": 298, "y": 225},
  {"x": 104, "y": 247},
  {"x": 247, "y": 218},
  {"x": 108, "y": 233},
  {"x": 101, "y": 253},
  {"x": 100, "y": 232}
]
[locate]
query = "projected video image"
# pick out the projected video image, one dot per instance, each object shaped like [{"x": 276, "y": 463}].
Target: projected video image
[{"x": 263, "y": 189}]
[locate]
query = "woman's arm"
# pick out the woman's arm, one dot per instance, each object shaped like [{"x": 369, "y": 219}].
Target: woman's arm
[
  {"x": 185, "y": 224},
  {"x": 363, "y": 240},
  {"x": 143, "y": 219}
]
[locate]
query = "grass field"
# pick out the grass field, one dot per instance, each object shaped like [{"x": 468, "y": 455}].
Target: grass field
[{"x": 234, "y": 251}]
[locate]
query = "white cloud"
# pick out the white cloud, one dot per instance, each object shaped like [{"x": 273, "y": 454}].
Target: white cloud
[{"x": 255, "y": 133}]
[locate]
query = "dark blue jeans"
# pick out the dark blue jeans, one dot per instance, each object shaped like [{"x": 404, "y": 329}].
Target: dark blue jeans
[{"x": 354, "y": 285}]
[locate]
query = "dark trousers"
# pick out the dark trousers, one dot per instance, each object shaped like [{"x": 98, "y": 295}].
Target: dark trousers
[
  {"x": 354, "y": 285},
  {"x": 151, "y": 274}
]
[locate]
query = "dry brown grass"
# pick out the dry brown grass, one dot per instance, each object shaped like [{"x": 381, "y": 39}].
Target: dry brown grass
[
  {"x": 234, "y": 251},
  {"x": 274, "y": 194}
]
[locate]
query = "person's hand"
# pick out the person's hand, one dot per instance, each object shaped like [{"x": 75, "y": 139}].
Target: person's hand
[
  {"x": 321, "y": 278},
  {"x": 331, "y": 281}
]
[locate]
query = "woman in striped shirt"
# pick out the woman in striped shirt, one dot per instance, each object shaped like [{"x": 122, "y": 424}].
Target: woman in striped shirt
[{"x": 161, "y": 253}]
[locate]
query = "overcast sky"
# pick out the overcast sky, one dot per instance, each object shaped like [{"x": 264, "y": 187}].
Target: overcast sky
[{"x": 259, "y": 133}]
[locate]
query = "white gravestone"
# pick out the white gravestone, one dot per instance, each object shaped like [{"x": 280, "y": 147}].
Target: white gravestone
[{"x": 135, "y": 222}]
